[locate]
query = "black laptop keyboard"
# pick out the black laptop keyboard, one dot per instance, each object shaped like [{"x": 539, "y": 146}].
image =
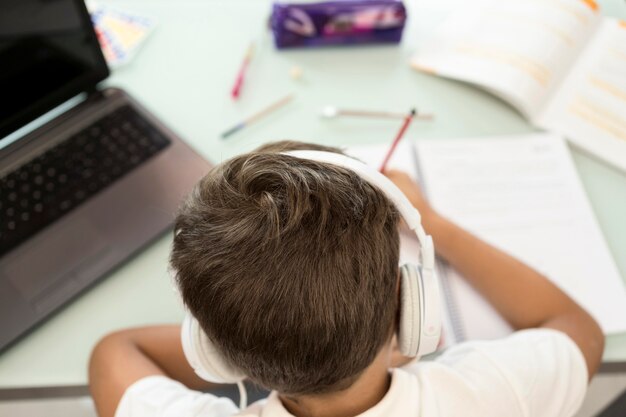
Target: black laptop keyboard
[{"x": 39, "y": 192}]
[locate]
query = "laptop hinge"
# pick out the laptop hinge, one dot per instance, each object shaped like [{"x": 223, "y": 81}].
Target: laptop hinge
[{"x": 94, "y": 93}]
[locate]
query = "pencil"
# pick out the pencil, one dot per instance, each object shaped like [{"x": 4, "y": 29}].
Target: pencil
[
  {"x": 407, "y": 121},
  {"x": 267, "y": 110},
  {"x": 234, "y": 93},
  {"x": 330, "y": 112},
  {"x": 381, "y": 115}
]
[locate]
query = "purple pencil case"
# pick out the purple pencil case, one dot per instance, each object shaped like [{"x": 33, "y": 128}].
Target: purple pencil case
[{"x": 346, "y": 22}]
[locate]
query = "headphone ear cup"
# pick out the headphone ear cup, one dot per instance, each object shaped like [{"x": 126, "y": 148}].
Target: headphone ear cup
[
  {"x": 203, "y": 357},
  {"x": 430, "y": 331},
  {"x": 409, "y": 326}
]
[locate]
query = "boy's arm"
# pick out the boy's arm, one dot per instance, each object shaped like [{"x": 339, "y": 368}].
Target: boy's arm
[
  {"x": 126, "y": 356},
  {"x": 525, "y": 298}
]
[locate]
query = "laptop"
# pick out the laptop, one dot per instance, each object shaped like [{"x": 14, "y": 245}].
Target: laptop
[{"x": 82, "y": 192}]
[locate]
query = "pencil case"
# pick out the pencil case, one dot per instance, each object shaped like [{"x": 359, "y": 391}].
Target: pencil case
[{"x": 346, "y": 22}]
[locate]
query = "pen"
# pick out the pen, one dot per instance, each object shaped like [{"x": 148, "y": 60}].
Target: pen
[
  {"x": 267, "y": 110},
  {"x": 242, "y": 72},
  {"x": 331, "y": 112},
  {"x": 394, "y": 144}
]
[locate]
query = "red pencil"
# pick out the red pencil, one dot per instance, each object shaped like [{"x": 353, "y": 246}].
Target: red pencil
[
  {"x": 242, "y": 72},
  {"x": 394, "y": 144}
]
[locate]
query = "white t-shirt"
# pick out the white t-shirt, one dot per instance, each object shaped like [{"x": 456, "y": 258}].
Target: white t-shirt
[{"x": 532, "y": 373}]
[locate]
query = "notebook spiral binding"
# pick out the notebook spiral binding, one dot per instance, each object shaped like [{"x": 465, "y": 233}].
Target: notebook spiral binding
[
  {"x": 453, "y": 311},
  {"x": 442, "y": 271}
]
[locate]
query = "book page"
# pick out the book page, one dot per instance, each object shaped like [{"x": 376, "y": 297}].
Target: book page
[
  {"x": 590, "y": 107},
  {"x": 522, "y": 195},
  {"x": 517, "y": 50}
]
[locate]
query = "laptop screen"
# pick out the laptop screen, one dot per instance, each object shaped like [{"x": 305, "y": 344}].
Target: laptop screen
[{"x": 48, "y": 54}]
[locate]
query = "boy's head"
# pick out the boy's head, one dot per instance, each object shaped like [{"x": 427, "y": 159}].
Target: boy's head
[{"x": 290, "y": 267}]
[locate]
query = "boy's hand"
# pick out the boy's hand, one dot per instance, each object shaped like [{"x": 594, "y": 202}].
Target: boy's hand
[{"x": 412, "y": 191}]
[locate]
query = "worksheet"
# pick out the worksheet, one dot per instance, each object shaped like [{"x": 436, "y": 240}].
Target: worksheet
[{"x": 522, "y": 195}]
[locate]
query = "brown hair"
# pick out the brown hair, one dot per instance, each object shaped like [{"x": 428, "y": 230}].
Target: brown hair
[{"x": 290, "y": 267}]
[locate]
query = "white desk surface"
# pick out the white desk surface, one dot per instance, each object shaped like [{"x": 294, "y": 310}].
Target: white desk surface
[{"x": 183, "y": 74}]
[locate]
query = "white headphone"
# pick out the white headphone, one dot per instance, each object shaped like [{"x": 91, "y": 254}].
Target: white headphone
[{"x": 420, "y": 310}]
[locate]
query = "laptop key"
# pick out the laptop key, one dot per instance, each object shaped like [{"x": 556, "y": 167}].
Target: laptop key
[{"x": 41, "y": 191}]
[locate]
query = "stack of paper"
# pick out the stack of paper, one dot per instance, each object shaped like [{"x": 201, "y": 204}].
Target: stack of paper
[{"x": 522, "y": 195}]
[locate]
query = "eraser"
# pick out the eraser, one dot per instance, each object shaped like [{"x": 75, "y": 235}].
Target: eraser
[{"x": 295, "y": 72}]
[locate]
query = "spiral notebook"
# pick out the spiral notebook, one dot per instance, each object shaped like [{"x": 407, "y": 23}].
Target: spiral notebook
[{"x": 521, "y": 194}]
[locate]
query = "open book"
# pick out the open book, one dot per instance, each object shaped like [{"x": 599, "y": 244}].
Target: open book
[
  {"x": 522, "y": 195},
  {"x": 558, "y": 62}
]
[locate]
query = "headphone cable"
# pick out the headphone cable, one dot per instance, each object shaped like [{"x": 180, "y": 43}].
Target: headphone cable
[{"x": 243, "y": 395}]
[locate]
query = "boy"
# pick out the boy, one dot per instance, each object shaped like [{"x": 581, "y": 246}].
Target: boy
[{"x": 291, "y": 267}]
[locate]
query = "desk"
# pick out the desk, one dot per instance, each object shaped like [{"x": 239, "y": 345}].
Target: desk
[{"x": 183, "y": 74}]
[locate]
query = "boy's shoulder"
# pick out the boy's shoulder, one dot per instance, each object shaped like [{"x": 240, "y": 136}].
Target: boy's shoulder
[
  {"x": 538, "y": 372},
  {"x": 530, "y": 373}
]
